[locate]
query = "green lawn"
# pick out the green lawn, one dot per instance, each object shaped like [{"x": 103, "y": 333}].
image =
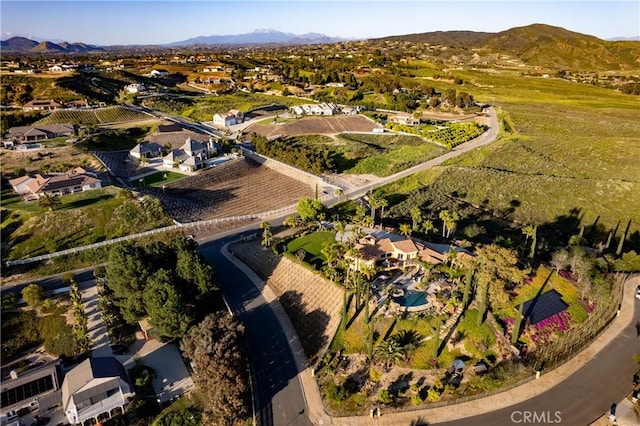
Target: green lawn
[
  {"x": 312, "y": 244},
  {"x": 158, "y": 179}
]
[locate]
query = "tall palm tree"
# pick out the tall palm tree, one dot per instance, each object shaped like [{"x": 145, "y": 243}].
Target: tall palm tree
[
  {"x": 405, "y": 229},
  {"x": 375, "y": 203},
  {"x": 383, "y": 203},
  {"x": 449, "y": 221},
  {"x": 428, "y": 226},
  {"x": 267, "y": 235},
  {"x": 416, "y": 217},
  {"x": 340, "y": 228}
]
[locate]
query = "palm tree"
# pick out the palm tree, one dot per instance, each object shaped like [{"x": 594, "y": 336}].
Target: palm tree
[
  {"x": 416, "y": 217},
  {"x": 408, "y": 339},
  {"x": 368, "y": 270},
  {"x": 46, "y": 201},
  {"x": 428, "y": 226},
  {"x": 449, "y": 220},
  {"x": 405, "y": 229},
  {"x": 383, "y": 203},
  {"x": 267, "y": 235},
  {"x": 389, "y": 352},
  {"x": 340, "y": 228},
  {"x": 374, "y": 202}
]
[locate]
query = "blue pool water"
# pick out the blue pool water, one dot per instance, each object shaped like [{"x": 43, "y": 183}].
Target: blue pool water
[{"x": 412, "y": 298}]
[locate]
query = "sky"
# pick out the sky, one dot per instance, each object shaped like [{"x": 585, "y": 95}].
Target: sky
[{"x": 159, "y": 21}]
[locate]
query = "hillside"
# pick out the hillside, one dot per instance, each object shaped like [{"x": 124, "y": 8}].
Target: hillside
[
  {"x": 556, "y": 47},
  {"x": 21, "y": 44},
  {"x": 542, "y": 45}
]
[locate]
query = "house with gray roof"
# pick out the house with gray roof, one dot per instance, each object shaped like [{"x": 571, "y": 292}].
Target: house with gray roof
[
  {"x": 96, "y": 389},
  {"x": 41, "y": 132}
]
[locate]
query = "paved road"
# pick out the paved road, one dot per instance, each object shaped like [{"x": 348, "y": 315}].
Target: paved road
[{"x": 279, "y": 395}]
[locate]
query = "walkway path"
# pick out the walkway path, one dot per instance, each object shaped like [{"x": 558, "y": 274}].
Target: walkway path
[{"x": 493, "y": 409}]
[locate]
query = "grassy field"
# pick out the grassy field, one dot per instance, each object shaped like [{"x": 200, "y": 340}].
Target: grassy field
[
  {"x": 83, "y": 218},
  {"x": 570, "y": 150}
]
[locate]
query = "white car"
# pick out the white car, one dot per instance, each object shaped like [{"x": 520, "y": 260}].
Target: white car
[{"x": 638, "y": 292}]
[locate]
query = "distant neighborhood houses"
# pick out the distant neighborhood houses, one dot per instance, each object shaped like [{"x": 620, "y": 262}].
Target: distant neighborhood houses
[
  {"x": 324, "y": 108},
  {"x": 135, "y": 88},
  {"x": 75, "y": 180}
]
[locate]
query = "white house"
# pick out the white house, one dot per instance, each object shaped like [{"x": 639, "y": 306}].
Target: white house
[
  {"x": 158, "y": 73},
  {"x": 135, "y": 88},
  {"x": 234, "y": 116},
  {"x": 191, "y": 155},
  {"x": 95, "y": 390}
]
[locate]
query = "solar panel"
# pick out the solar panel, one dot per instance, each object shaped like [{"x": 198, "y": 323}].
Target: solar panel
[{"x": 544, "y": 306}]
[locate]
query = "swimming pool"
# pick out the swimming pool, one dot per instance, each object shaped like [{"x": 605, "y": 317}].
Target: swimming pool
[{"x": 412, "y": 298}]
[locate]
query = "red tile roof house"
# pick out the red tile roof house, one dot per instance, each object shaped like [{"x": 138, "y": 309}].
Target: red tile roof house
[
  {"x": 75, "y": 180},
  {"x": 373, "y": 250}
]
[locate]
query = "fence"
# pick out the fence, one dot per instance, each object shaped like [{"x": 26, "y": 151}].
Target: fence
[{"x": 177, "y": 226}]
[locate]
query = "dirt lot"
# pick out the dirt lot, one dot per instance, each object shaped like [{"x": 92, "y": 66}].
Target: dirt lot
[
  {"x": 316, "y": 126},
  {"x": 34, "y": 161}
]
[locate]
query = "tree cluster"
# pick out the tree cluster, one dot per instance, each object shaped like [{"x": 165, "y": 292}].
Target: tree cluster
[
  {"x": 160, "y": 281},
  {"x": 309, "y": 158},
  {"x": 217, "y": 352}
]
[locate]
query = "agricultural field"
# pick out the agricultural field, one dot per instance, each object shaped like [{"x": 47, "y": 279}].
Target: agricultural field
[
  {"x": 237, "y": 187},
  {"x": 316, "y": 126},
  {"x": 113, "y": 114},
  {"x": 568, "y": 154}
]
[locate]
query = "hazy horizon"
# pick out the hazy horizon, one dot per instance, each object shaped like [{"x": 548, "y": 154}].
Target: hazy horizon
[{"x": 163, "y": 22}]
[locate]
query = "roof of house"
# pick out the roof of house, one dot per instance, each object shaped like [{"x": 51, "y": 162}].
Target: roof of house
[
  {"x": 42, "y": 102},
  {"x": 405, "y": 246},
  {"x": 43, "y": 128},
  {"x": 17, "y": 181},
  {"x": 191, "y": 145},
  {"x": 174, "y": 138},
  {"x": 544, "y": 306},
  {"x": 74, "y": 177},
  {"x": 145, "y": 146},
  {"x": 235, "y": 111},
  {"x": 87, "y": 371}
]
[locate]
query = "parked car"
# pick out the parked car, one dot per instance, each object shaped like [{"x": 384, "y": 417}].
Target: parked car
[
  {"x": 638, "y": 292},
  {"x": 41, "y": 421}
]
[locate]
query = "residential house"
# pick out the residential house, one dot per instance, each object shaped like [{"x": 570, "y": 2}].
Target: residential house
[
  {"x": 191, "y": 155},
  {"x": 159, "y": 73},
  {"x": 406, "y": 119},
  {"x": 41, "y": 132},
  {"x": 135, "y": 88},
  {"x": 95, "y": 390},
  {"x": 146, "y": 150},
  {"x": 41, "y": 105},
  {"x": 324, "y": 108},
  {"x": 37, "y": 387},
  {"x": 78, "y": 103},
  {"x": 438, "y": 253},
  {"x": 347, "y": 110},
  {"x": 234, "y": 116},
  {"x": 76, "y": 180}
]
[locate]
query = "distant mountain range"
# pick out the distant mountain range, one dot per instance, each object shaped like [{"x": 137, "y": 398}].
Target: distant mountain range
[
  {"x": 21, "y": 44},
  {"x": 265, "y": 36},
  {"x": 536, "y": 44},
  {"x": 540, "y": 44}
]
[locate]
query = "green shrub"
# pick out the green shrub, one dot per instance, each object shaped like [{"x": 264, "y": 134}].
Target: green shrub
[{"x": 385, "y": 396}]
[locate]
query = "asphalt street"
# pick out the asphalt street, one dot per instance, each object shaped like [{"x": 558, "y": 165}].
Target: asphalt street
[{"x": 278, "y": 392}]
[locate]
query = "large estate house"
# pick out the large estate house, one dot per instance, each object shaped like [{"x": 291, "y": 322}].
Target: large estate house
[
  {"x": 188, "y": 157},
  {"x": 95, "y": 389},
  {"x": 394, "y": 250},
  {"x": 75, "y": 180},
  {"x": 41, "y": 105},
  {"x": 323, "y": 108},
  {"x": 406, "y": 119}
]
